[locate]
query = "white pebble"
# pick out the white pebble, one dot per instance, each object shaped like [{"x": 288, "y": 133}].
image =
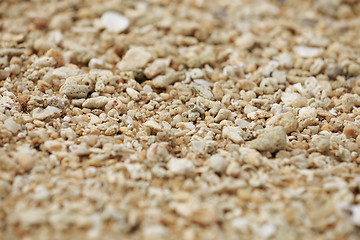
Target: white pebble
[
  {"x": 32, "y": 216},
  {"x": 48, "y": 112},
  {"x": 293, "y": 100},
  {"x": 54, "y": 146},
  {"x": 234, "y": 134},
  {"x": 181, "y": 166},
  {"x": 333, "y": 111},
  {"x": 355, "y": 216},
  {"x": 271, "y": 139},
  {"x": 134, "y": 58},
  {"x": 11, "y": 125},
  {"x": 79, "y": 150},
  {"x": 147, "y": 89},
  {"x": 203, "y": 82},
  {"x": 95, "y": 63},
  {"x": 96, "y": 102},
  {"x": 317, "y": 66},
  {"x": 68, "y": 134},
  {"x": 153, "y": 125},
  {"x": 307, "y": 52},
  {"x": 189, "y": 125},
  {"x": 44, "y": 62},
  {"x": 162, "y": 81},
  {"x": 157, "y": 67},
  {"x": 196, "y": 73},
  {"x": 218, "y": 163},
  {"x": 136, "y": 170},
  {"x": 100, "y": 86},
  {"x": 157, "y": 152},
  {"x": 135, "y": 95},
  {"x": 266, "y": 231},
  {"x": 241, "y": 224},
  {"x": 114, "y": 22},
  {"x": 242, "y": 123},
  {"x": 155, "y": 232},
  {"x": 307, "y": 113}
]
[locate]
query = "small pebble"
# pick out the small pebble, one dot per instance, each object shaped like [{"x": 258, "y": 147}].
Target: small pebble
[
  {"x": 205, "y": 215},
  {"x": 251, "y": 157},
  {"x": 157, "y": 152},
  {"x": 293, "y": 100},
  {"x": 158, "y": 67},
  {"x": 135, "y": 95},
  {"x": 11, "y": 125},
  {"x": 286, "y": 120},
  {"x": 317, "y": 66},
  {"x": 134, "y": 58},
  {"x": 162, "y": 81},
  {"x": 54, "y": 146},
  {"x": 47, "y": 113},
  {"x": 181, "y": 166},
  {"x": 5, "y": 189},
  {"x": 79, "y": 150},
  {"x": 218, "y": 163},
  {"x": 96, "y": 102},
  {"x": 333, "y": 70},
  {"x": 354, "y": 69},
  {"x": 153, "y": 125},
  {"x": 355, "y": 215},
  {"x": 114, "y": 22},
  {"x": 321, "y": 143},
  {"x": 271, "y": 139},
  {"x": 307, "y": 113},
  {"x": 61, "y": 22},
  {"x": 266, "y": 231},
  {"x": 26, "y": 161},
  {"x": 234, "y": 134},
  {"x": 56, "y": 55},
  {"x": 44, "y": 62},
  {"x": 96, "y": 63},
  {"x": 222, "y": 115},
  {"x": 351, "y": 131},
  {"x": 307, "y": 52},
  {"x": 196, "y": 73},
  {"x": 75, "y": 91}
]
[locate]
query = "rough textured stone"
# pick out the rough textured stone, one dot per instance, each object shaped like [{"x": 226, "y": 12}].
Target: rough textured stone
[
  {"x": 133, "y": 59},
  {"x": 271, "y": 139},
  {"x": 286, "y": 120}
]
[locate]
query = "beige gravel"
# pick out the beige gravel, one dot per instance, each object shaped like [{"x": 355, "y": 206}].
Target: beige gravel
[{"x": 192, "y": 119}]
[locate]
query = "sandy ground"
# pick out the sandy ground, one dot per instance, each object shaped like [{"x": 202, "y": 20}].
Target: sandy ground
[{"x": 191, "y": 119}]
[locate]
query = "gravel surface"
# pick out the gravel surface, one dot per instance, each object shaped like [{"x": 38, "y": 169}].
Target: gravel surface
[{"x": 193, "y": 119}]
